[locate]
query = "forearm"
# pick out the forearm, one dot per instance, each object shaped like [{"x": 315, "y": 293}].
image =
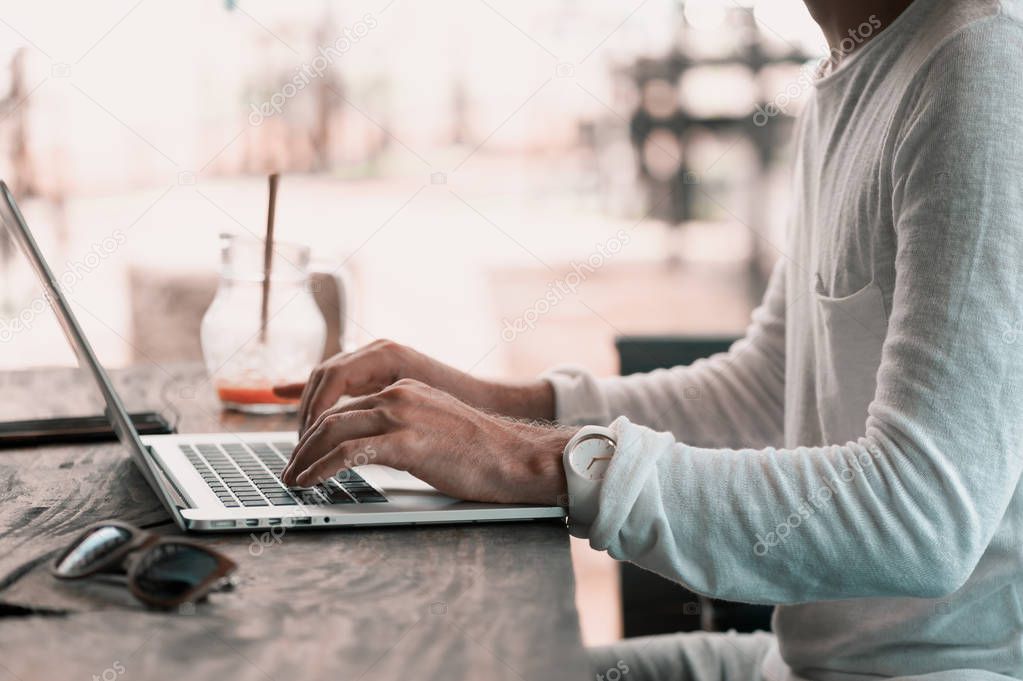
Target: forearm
[
  {"x": 733, "y": 399},
  {"x": 529, "y": 401},
  {"x": 532, "y": 401},
  {"x": 782, "y": 526},
  {"x": 526, "y": 400}
]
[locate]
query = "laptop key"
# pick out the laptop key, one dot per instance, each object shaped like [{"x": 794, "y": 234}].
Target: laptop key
[{"x": 371, "y": 498}]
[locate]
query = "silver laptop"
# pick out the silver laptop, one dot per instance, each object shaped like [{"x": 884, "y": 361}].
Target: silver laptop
[{"x": 231, "y": 481}]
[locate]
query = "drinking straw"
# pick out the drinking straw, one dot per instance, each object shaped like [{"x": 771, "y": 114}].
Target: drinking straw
[{"x": 268, "y": 248}]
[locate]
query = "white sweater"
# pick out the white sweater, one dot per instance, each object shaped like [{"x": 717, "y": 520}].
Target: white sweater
[{"x": 856, "y": 458}]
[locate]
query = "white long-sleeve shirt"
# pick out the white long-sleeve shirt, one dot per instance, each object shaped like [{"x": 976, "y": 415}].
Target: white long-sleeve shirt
[{"x": 856, "y": 458}]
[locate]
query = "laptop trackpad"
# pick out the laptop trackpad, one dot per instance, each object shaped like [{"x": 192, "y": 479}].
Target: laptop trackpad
[{"x": 392, "y": 479}]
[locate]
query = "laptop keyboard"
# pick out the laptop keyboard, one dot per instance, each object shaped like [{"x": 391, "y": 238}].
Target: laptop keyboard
[{"x": 248, "y": 474}]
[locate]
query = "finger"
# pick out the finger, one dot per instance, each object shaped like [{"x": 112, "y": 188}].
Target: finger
[
  {"x": 367, "y": 402},
  {"x": 353, "y": 377},
  {"x": 340, "y": 458},
  {"x": 289, "y": 390},
  {"x": 307, "y": 393},
  {"x": 361, "y": 372},
  {"x": 332, "y": 431},
  {"x": 324, "y": 396}
]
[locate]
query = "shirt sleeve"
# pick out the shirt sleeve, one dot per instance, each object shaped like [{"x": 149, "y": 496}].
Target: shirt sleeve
[
  {"x": 909, "y": 508},
  {"x": 731, "y": 398}
]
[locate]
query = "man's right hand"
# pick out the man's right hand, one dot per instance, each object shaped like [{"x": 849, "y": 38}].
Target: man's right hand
[{"x": 374, "y": 367}]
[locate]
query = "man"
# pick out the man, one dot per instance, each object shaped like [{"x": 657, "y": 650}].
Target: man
[{"x": 856, "y": 458}]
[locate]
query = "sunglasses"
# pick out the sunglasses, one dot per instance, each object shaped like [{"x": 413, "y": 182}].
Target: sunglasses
[{"x": 163, "y": 572}]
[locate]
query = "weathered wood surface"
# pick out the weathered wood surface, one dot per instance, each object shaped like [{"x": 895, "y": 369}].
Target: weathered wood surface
[{"x": 486, "y": 602}]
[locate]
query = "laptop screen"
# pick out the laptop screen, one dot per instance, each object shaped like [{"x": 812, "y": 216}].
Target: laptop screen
[{"x": 14, "y": 223}]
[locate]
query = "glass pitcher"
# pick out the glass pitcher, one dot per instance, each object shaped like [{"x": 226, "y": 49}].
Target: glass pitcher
[{"x": 245, "y": 360}]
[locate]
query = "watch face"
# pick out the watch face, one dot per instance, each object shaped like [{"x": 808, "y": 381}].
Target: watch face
[{"x": 590, "y": 458}]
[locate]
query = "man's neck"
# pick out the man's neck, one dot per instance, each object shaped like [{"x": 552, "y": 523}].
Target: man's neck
[{"x": 838, "y": 17}]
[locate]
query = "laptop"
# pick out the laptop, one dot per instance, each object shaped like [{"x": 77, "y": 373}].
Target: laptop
[{"x": 220, "y": 482}]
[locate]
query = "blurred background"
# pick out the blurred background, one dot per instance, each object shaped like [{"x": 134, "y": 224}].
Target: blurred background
[{"x": 506, "y": 185}]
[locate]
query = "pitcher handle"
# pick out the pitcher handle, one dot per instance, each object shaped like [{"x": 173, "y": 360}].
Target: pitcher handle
[{"x": 330, "y": 288}]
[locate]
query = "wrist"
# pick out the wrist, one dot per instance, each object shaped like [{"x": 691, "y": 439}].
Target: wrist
[{"x": 538, "y": 475}]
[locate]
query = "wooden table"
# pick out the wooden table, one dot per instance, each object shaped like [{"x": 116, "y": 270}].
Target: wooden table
[{"x": 485, "y": 602}]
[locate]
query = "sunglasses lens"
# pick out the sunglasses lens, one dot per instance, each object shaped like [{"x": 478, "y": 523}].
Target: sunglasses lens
[
  {"x": 168, "y": 572},
  {"x": 91, "y": 550}
]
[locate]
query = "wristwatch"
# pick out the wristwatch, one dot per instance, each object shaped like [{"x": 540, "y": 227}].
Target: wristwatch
[{"x": 587, "y": 456}]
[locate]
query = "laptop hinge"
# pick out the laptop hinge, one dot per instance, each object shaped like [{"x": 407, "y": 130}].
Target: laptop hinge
[{"x": 167, "y": 482}]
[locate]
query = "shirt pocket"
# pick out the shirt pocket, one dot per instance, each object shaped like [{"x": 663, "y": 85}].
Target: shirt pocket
[{"x": 849, "y": 334}]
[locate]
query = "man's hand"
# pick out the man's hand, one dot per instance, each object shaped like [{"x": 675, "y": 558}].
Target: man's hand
[
  {"x": 379, "y": 364},
  {"x": 462, "y": 451}
]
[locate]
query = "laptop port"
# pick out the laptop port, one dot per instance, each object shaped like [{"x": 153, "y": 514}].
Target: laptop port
[
  {"x": 252, "y": 523},
  {"x": 303, "y": 521},
  {"x": 221, "y": 524},
  {"x": 275, "y": 521}
]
